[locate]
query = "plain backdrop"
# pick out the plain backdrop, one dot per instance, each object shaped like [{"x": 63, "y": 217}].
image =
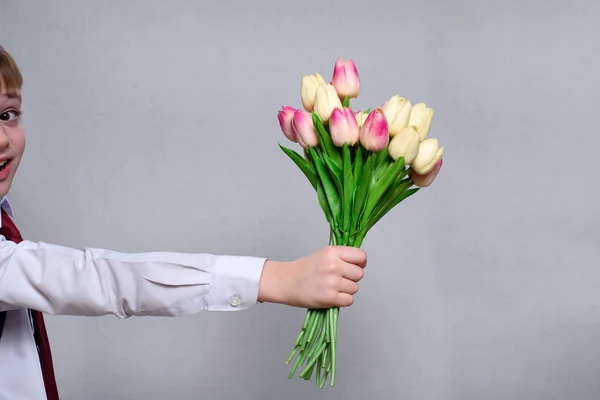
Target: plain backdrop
[{"x": 151, "y": 125}]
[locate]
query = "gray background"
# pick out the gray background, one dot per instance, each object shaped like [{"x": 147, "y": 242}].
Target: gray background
[{"x": 152, "y": 125}]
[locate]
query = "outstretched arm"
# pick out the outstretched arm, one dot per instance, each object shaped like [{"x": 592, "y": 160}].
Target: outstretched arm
[{"x": 94, "y": 282}]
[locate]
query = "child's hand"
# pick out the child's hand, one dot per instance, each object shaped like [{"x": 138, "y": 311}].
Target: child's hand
[{"x": 327, "y": 278}]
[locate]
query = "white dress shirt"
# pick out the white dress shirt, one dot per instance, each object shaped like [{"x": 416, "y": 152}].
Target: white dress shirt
[{"x": 59, "y": 280}]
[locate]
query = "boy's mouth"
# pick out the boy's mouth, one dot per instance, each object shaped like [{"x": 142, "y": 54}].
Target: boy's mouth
[{"x": 3, "y": 164}]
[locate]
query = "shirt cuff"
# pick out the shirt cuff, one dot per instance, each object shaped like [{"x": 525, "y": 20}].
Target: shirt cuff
[{"x": 235, "y": 283}]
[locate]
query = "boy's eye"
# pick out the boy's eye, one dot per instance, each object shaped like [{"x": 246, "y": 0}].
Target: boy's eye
[{"x": 9, "y": 115}]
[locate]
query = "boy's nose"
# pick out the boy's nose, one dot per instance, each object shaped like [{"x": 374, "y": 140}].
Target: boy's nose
[{"x": 4, "y": 139}]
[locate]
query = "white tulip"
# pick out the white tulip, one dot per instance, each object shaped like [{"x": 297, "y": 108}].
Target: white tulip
[
  {"x": 326, "y": 100},
  {"x": 397, "y": 111},
  {"x": 405, "y": 144},
  {"x": 429, "y": 154},
  {"x": 361, "y": 117},
  {"x": 308, "y": 90},
  {"x": 420, "y": 118}
]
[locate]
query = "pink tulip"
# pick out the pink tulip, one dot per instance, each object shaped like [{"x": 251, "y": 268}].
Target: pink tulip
[
  {"x": 345, "y": 79},
  {"x": 285, "y": 122},
  {"x": 343, "y": 127},
  {"x": 304, "y": 129},
  {"x": 374, "y": 132},
  {"x": 426, "y": 180}
]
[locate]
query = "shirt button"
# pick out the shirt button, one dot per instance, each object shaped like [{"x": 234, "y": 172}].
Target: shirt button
[{"x": 234, "y": 301}]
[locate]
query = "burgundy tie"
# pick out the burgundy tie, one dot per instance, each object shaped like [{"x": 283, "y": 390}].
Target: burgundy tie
[{"x": 10, "y": 232}]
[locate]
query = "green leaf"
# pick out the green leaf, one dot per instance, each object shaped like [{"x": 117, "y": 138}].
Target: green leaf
[
  {"x": 336, "y": 173},
  {"x": 393, "y": 192},
  {"x": 367, "y": 111},
  {"x": 364, "y": 186},
  {"x": 382, "y": 164},
  {"x": 325, "y": 141},
  {"x": 383, "y": 211},
  {"x": 396, "y": 169},
  {"x": 402, "y": 196},
  {"x": 321, "y": 196},
  {"x": 329, "y": 188},
  {"x": 303, "y": 164},
  {"x": 382, "y": 156},
  {"x": 358, "y": 164},
  {"x": 353, "y": 217},
  {"x": 381, "y": 186},
  {"x": 348, "y": 191}
]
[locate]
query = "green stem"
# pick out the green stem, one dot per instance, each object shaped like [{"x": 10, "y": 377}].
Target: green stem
[
  {"x": 297, "y": 363},
  {"x": 315, "y": 326},
  {"x": 318, "y": 379},
  {"x": 315, "y": 345},
  {"x": 333, "y": 347},
  {"x": 313, "y": 360}
]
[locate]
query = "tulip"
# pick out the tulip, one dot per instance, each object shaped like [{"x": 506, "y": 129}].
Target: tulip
[
  {"x": 285, "y": 122},
  {"x": 304, "y": 129},
  {"x": 397, "y": 111},
  {"x": 420, "y": 118},
  {"x": 374, "y": 132},
  {"x": 361, "y": 117},
  {"x": 405, "y": 144},
  {"x": 326, "y": 100},
  {"x": 308, "y": 90},
  {"x": 426, "y": 180},
  {"x": 345, "y": 79},
  {"x": 429, "y": 155},
  {"x": 343, "y": 127}
]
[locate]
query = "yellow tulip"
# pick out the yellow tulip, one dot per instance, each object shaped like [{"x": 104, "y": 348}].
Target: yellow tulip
[
  {"x": 429, "y": 155},
  {"x": 361, "y": 117},
  {"x": 405, "y": 144},
  {"x": 326, "y": 100},
  {"x": 308, "y": 90},
  {"x": 420, "y": 118},
  {"x": 397, "y": 111}
]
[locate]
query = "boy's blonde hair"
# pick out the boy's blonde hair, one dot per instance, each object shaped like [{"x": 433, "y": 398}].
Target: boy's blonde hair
[{"x": 11, "y": 79}]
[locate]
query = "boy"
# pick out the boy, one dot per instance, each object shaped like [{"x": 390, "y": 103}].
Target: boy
[{"x": 38, "y": 278}]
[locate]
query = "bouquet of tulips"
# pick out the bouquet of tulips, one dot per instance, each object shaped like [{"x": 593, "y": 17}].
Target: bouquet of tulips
[{"x": 361, "y": 165}]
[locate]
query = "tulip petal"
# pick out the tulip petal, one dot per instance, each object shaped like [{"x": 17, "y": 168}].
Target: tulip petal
[
  {"x": 343, "y": 127},
  {"x": 429, "y": 154},
  {"x": 405, "y": 144},
  {"x": 326, "y": 100},
  {"x": 345, "y": 79},
  {"x": 420, "y": 118},
  {"x": 374, "y": 132},
  {"x": 308, "y": 90},
  {"x": 305, "y": 129},
  {"x": 427, "y": 179},
  {"x": 285, "y": 122},
  {"x": 397, "y": 112},
  {"x": 361, "y": 118},
  {"x": 353, "y": 129},
  {"x": 338, "y": 127},
  {"x": 416, "y": 114}
]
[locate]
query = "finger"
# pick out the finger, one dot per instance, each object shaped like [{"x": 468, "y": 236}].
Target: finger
[
  {"x": 348, "y": 286},
  {"x": 344, "y": 300},
  {"x": 352, "y": 272},
  {"x": 353, "y": 255}
]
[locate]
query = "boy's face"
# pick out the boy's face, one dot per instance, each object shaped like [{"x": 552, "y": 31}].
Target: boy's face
[{"x": 12, "y": 140}]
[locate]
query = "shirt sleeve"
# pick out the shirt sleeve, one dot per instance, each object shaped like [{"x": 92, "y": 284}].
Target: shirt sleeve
[{"x": 59, "y": 280}]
